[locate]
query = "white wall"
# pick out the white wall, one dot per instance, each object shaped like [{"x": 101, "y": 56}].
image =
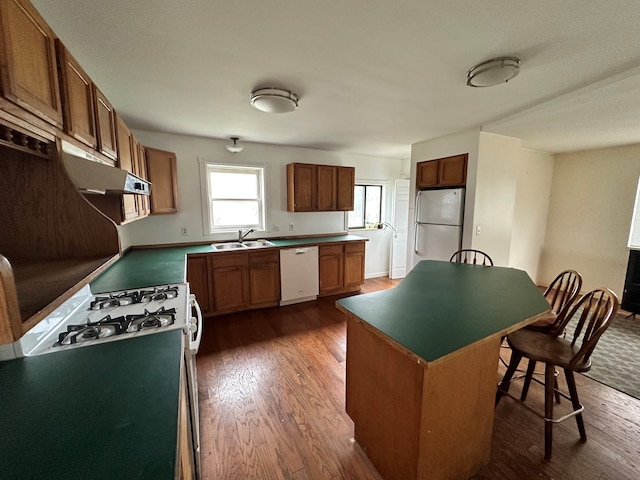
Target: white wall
[
  {"x": 530, "y": 213},
  {"x": 166, "y": 229},
  {"x": 463, "y": 142},
  {"x": 590, "y": 212},
  {"x": 502, "y": 179},
  {"x": 495, "y": 194}
]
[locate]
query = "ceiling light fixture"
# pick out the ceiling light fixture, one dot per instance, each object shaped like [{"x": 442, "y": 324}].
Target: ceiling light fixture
[
  {"x": 274, "y": 100},
  {"x": 493, "y": 72},
  {"x": 234, "y": 147}
]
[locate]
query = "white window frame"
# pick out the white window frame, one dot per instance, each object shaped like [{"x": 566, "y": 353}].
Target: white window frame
[
  {"x": 383, "y": 201},
  {"x": 262, "y": 173}
]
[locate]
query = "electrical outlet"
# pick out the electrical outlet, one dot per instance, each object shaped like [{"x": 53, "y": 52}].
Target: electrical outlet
[
  {"x": 275, "y": 228},
  {"x": 184, "y": 231},
  {"x": 291, "y": 227},
  {"x": 478, "y": 230}
]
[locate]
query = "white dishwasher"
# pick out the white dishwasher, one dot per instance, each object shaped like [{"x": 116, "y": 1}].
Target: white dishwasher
[{"x": 298, "y": 275}]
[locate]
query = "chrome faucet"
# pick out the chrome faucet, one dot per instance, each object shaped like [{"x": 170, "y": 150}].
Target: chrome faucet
[{"x": 242, "y": 236}]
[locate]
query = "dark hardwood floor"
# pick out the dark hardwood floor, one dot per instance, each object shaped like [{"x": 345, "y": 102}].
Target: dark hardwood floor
[{"x": 271, "y": 386}]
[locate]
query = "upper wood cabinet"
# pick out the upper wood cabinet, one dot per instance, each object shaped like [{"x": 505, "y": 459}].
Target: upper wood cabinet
[
  {"x": 144, "y": 205},
  {"x": 301, "y": 187},
  {"x": 77, "y": 98},
  {"x": 319, "y": 188},
  {"x": 126, "y": 155},
  {"x": 345, "y": 179},
  {"x": 162, "y": 172},
  {"x": 326, "y": 187},
  {"x": 28, "y": 71},
  {"x": 105, "y": 124},
  {"x": 442, "y": 172}
]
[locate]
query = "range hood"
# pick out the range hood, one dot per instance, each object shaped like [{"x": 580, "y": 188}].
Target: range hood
[{"x": 91, "y": 174}]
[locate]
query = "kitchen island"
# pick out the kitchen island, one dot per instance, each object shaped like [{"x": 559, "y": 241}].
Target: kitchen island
[{"x": 422, "y": 365}]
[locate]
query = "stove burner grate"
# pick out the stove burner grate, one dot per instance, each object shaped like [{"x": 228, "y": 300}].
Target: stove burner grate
[
  {"x": 129, "y": 298},
  {"x": 148, "y": 320},
  {"x": 105, "y": 327}
]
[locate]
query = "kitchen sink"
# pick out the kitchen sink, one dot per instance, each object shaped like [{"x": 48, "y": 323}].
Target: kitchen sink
[
  {"x": 228, "y": 246},
  {"x": 259, "y": 244},
  {"x": 242, "y": 246}
]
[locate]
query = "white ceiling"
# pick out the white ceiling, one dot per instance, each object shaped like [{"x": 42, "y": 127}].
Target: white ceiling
[{"x": 373, "y": 76}]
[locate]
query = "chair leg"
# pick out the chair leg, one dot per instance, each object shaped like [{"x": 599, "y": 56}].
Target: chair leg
[
  {"x": 555, "y": 385},
  {"x": 504, "y": 385},
  {"x": 573, "y": 392},
  {"x": 549, "y": 382},
  {"x": 527, "y": 380}
]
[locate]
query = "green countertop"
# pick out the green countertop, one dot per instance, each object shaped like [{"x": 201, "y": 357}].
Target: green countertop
[
  {"x": 108, "y": 411},
  {"x": 146, "y": 267},
  {"x": 441, "y": 307}
]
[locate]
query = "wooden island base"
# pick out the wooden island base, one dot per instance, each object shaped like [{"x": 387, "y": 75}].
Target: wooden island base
[{"x": 417, "y": 419}]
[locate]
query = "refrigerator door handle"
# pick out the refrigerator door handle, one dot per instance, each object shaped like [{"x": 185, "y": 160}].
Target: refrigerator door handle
[
  {"x": 415, "y": 240},
  {"x": 417, "y": 209}
]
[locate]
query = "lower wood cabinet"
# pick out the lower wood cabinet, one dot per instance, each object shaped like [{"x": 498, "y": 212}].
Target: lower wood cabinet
[
  {"x": 341, "y": 267},
  {"x": 230, "y": 288},
  {"x": 264, "y": 278},
  {"x": 354, "y": 264},
  {"x": 331, "y": 267},
  {"x": 232, "y": 282},
  {"x": 199, "y": 284}
]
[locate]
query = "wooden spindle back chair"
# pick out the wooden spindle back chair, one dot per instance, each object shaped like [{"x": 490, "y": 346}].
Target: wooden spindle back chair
[
  {"x": 475, "y": 257},
  {"x": 589, "y": 317}
]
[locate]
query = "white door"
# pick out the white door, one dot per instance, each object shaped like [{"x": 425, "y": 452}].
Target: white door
[{"x": 400, "y": 221}]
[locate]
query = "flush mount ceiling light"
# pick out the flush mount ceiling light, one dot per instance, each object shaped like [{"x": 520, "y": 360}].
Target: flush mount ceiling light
[
  {"x": 493, "y": 72},
  {"x": 234, "y": 147},
  {"x": 274, "y": 100}
]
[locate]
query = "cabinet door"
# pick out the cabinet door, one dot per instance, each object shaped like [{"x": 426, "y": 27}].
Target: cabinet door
[
  {"x": 125, "y": 161},
  {"x": 163, "y": 175},
  {"x": 230, "y": 288},
  {"x": 354, "y": 264},
  {"x": 105, "y": 124},
  {"x": 453, "y": 171},
  {"x": 301, "y": 187},
  {"x": 326, "y": 184},
  {"x": 141, "y": 171},
  {"x": 28, "y": 70},
  {"x": 331, "y": 267},
  {"x": 77, "y": 96},
  {"x": 346, "y": 179},
  {"x": 427, "y": 174},
  {"x": 198, "y": 279},
  {"x": 264, "y": 283}
]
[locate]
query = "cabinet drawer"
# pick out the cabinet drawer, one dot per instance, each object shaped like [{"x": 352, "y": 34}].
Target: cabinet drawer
[
  {"x": 257, "y": 258},
  {"x": 229, "y": 260},
  {"x": 330, "y": 250},
  {"x": 354, "y": 247}
]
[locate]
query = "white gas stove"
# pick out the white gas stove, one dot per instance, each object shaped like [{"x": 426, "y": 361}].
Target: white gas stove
[{"x": 87, "y": 319}]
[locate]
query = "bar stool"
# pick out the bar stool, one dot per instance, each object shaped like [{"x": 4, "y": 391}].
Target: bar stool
[{"x": 594, "y": 312}]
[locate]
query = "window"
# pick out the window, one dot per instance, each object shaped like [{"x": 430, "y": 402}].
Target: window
[
  {"x": 367, "y": 207},
  {"x": 235, "y": 197}
]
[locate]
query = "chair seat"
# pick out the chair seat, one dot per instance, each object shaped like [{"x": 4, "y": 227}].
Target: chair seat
[
  {"x": 542, "y": 347},
  {"x": 544, "y": 323}
]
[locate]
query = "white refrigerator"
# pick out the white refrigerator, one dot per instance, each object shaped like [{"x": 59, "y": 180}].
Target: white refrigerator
[{"x": 438, "y": 223}]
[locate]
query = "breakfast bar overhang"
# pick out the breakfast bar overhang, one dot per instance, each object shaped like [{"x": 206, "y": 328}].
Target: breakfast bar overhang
[{"x": 422, "y": 365}]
